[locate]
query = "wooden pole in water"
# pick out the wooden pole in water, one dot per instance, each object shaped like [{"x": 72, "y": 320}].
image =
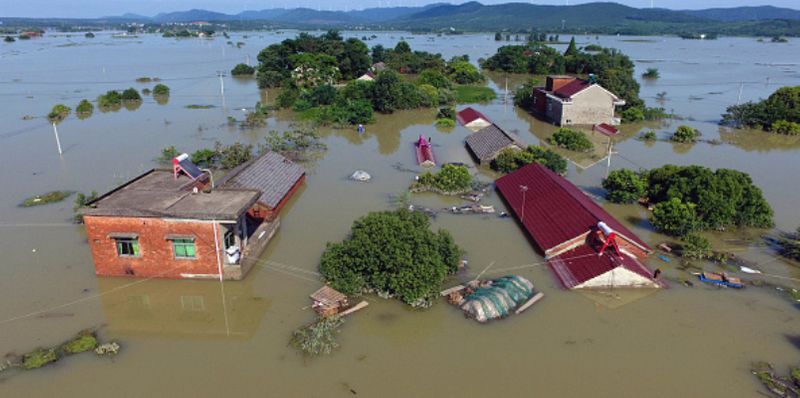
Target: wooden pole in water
[{"x": 58, "y": 142}]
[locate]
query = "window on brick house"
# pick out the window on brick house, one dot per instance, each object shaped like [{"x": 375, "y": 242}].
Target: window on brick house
[
  {"x": 193, "y": 303},
  {"x": 184, "y": 248},
  {"x": 127, "y": 247}
]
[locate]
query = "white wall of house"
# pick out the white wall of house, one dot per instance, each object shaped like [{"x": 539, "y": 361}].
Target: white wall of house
[
  {"x": 591, "y": 106},
  {"x": 618, "y": 278}
]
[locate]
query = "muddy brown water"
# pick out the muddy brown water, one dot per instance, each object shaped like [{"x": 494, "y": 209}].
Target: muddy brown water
[{"x": 196, "y": 338}]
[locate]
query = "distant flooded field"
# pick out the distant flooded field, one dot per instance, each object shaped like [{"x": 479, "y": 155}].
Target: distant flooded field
[{"x": 693, "y": 342}]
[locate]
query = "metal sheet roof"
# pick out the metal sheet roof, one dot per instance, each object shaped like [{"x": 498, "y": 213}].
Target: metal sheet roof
[
  {"x": 555, "y": 210},
  {"x": 270, "y": 173},
  {"x": 469, "y": 115},
  {"x": 583, "y": 264},
  {"x": 488, "y": 141}
]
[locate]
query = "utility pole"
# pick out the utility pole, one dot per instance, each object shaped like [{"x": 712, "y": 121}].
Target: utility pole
[
  {"x": 58, "y": 141},
  {"x": 221, "y": 74},
  {"x": 739, "y": 99},
  {"x": 524, "y": 189},
  {"x": 610, "y": 152}
]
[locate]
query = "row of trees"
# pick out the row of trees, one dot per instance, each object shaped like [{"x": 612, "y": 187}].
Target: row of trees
[
  {"x": 692, "y": 198},
  {"x": 613, "y": 70},
  {"x": 779, "y": 113}
]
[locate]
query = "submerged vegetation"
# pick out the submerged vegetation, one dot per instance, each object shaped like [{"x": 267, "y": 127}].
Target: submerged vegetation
[
  {"x": 474, "y": 94},
  {"x": 651, "y": 74},
  {"x": 790, "y": 245},
  {"x": 450, "y": 180},
  {"x": 511, "y": 159},
  {"x": 84, "y": 341},
  {"x": 84, "y": 109},
  {"x": 572, "y": 140},
  {"x": 693, "y": 198},
  {"x": 317, "y": 338},
  {"x": 243, "y": 70},
  {"x": 779, "y": 113},
  {"x": 393, "y": 253},
  {"x": 47, "y": 198},
  {"x": 685, "y": 135}
]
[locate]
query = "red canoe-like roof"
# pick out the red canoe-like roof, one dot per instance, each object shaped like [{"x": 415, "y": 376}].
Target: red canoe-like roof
[
  {"x": 555, "y": 210},
  {"x": 470, "y": 115},
  {"x": 606, "y": 129}
]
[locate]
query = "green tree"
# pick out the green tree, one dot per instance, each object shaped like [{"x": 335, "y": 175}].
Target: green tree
[
  {"x": 9, "y": 39},
  {"x": 233, "y": 155},
  {"x": 674, "y": 217},
  {"x": 160, "y": 90},
  {"x": 243, "y": 70},
  {"x": 435, "y": 78},
  {"x": 58, "y": 113},
  {"x": 450, "y": 179},
  {"x": 84, "y": 109},
  {"x": 463, "y": 72},
  {"x": 378, "y": 53},
  {"x": 624, "y": 186},
  {"x": 571, "y": 139},
  {"x": 651, "y": 73},
  {"x": 386, "y": 91},
  {"x": 402, "y": 47},
  {"x": 131, "y": 95},
  {"x": 572, "y": 48},
  {"x": 392, "y": 252},
  {"x": 685, "y": 134},
  {"x": 696, "y": 247},
  {"x": 511, "y": 159}
]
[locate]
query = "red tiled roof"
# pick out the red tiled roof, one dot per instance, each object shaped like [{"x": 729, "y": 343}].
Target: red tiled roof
[
  {"x": 606, "y": 129},
  {"x": 555, "y": 210},
  {"x": 469, "y": 115},
  {"x": 572, "y": 88},
  {"x": 582, "y": 264}
]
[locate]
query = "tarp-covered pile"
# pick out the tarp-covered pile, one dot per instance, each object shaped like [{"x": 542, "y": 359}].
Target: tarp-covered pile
[{"x": 497, "y": 298}]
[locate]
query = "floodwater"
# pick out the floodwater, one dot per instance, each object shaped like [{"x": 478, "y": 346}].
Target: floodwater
[{"x": 201, "y": 338}]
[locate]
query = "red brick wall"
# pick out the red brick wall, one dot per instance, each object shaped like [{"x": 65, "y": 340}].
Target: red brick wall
[
  {"x": 289, "y": 195},
  {"x": 156, "y": 256}
]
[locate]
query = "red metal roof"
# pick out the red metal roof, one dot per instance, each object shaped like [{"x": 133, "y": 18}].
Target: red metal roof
[
  {"x": 555, "y": 210},
  {"x": 583, "y": 264},
  {"x": 572, "y": 88},
  {"x": 606, "y": 129},
  {"x": 469, "y": 115}
]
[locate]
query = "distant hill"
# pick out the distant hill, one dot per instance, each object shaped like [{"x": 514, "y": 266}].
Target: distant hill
[
  {"x": 739, "y": 14},
  {"x": 192, "y": 15}
]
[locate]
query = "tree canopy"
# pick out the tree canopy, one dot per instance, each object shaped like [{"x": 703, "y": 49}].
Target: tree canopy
[
  {"x": 58, "y": 113},
  {"x": 511, "y": 159},
  {"x": 394, "y": 253},
  {"x": 571, "y": 139},
  {"x": 690, "y": 198},
  {"x": 779, "y": 113}
]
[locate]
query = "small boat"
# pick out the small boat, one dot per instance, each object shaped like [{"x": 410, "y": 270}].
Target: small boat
[
  {"x": 721, "y": 279},
  {"x": 425, "y": 156}
]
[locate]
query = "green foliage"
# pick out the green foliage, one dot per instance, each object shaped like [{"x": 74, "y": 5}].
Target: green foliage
[
  {"x": 9, "y": 39},
  {"x": 58, "y": 113},
  {"x": 297, "y": 138},
  {"x": 523, "y": 96},
  {"x": 642, "y": 113},
  {"x": 571, "y": 139},
  {"x": 38, "y": 358},
  {"x": 111, "y": 99},
  {"x": 696, "y": 247},
  {"x": 450, "y": 179},
  {"x": 287, "y": 97},
  {"x": 685, "y": 134},
  {"x": 631, "y": 115},
  {"x": 674, "y": 217},
  {"x": 429, "y": 95},
  {"x": 131, "y": 95},
  {"x": 445, "y": 123},
  {"x": 81, "y": 201},
  {"x": 649, "y": 135},
  {"x": 203, "y": 157},
  {"x": 651, "y": 73},
  {"x": 717, "y": 199},
  {"x": 572, "y": 49},
  {"x": 167, "y": 154},
  {"x": 233, "y": 155},
  {"x": 84, "y": 108},
  {"x": 435, "y": 78},
  {"x": 790, "y": 246},
  {"x": 317, "y": 338},
  {"x": 776, "y": 113},
  {"x": 392, "y": 252},
  {"x": 511, "y": 159},
  {"x": 160, "y": 90},
  {"x": 624, "y": 186},
  {"x": 50, "y": 197},
  {"x": 474, "y": 94},
  {"x": 243, "y": 70},
  {"x": 320, "y": 59},
  {"x": 593, "y": 47},
  {"x": 446, "y": 113},
  {"x": 463, "y": 72},
  {"x": 82, "y": 343}
]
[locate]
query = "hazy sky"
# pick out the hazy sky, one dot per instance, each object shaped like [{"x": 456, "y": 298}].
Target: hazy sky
[{"x": 96, "y": 8}]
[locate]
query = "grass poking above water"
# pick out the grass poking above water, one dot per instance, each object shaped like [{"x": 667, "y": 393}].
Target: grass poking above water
[
  {"x": 50, "y": 197},
  {"x": 473, "y": 94},
  {"x": 196, "y": 106}
]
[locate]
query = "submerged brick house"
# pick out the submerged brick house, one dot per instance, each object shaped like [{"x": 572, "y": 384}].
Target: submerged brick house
[
  {"x": 567, "y": 100},
  {"x": 172, "y": 224}
]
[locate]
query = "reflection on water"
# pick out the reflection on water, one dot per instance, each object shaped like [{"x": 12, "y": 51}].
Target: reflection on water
[{"x": 172, "y": 308}]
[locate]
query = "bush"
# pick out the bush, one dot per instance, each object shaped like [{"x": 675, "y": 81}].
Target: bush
[
  {"x": 233, "y": 155},
  {"x": 651, "y": 73},
  {"x": 243, "y": 70},
  {"x": 167, "y": 154},
  {"x": 429, "y": 95},
  {"x": 649, "y": 136},
  {"x": 631, "y": 115},
  {"x": 696, "y": 247},
  {"x": 434, "y": 78},
  {"x": 624, "y": 186},
  {"x": 685, "y": 134},
  {"x": 394, "y": 253},
  {"x": 203, "y": 157},
  {"x": 446, "y": 113},
  {"x": 523, "y": 96},
  {"x": 131, "y": 95},
  {"x": 84, "y": 107},
  {"x": 110, "y": 99},
  {"x": 319, "y": 337},
  {"x": 287, "y": 97},
  {"x": 445, "y": 123},
  {"x": 82, "y": 343},
  {"x": 463, "y": 72},
  {"x": 450, "y": 179},
  {"x": 160, "y": 90},
  {"x": 511, "y": 159},
  {"x": 785, "y": 127},
  {"x": 674, "y": 217},
  {"x": 571, "y": 139},
  {"x": 58, "y": 113}
]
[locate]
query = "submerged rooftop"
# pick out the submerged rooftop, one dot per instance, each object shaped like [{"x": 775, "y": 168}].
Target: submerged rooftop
[{"x": 158, "y": 193}]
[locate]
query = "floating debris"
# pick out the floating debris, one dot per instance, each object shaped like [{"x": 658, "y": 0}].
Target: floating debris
[
  {"x": 471, "y": 209},
  {"x": 493, "y": 299},
  {"x": 360, "y": 176},
  {"x": 84, "y": 341}
]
